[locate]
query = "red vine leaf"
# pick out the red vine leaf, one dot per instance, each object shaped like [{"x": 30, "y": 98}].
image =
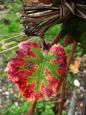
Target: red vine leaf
[{"x": 37, "y": 74}]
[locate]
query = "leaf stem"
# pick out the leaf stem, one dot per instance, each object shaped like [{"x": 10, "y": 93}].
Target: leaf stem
[
  {"x": 32, "y": 109},
  {"x": 57, "y": 38},
  {"x": 65, "y": 81},
  {"x": 44, "y": 44}
]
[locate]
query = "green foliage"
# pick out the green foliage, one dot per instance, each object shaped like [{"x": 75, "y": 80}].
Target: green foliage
[
  {"x": 42, "y": 108},
  {"x": 15, "y": 110},
  {"x": 52, "y": 32},
  {"x": 45, "y": 108},
  {"x": 13, "y": 28},
  {"x": 12, "y": 14}
]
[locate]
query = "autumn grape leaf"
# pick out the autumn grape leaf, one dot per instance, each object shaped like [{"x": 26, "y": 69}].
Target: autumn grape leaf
[{"x": 38, "y": 74}]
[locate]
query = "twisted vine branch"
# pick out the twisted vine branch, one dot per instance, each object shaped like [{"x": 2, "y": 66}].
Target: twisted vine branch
[{"x": 37, "y": 19}]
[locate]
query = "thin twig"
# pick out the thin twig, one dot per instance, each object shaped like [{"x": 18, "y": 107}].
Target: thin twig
[
  {"x": 58, "y": 37},
  {"x": 12, "y": 37},
  {"x": 71, "y": 55},
  {"x": 32, "y": 109},
  {"x": 16, "y": 33},
  {"x": 65, "y": 81},
  {"x": 4, "y": 51}
]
